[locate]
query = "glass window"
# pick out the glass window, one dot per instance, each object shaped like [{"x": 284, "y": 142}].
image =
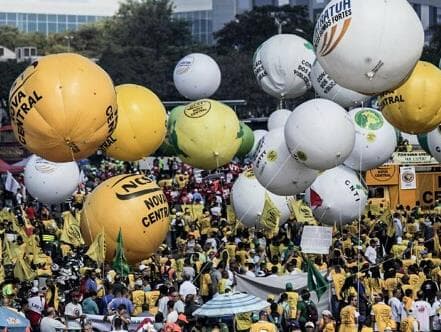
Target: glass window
[
  {"x": 33, "y": 51},
  {"x": 26, "y": 51},
  {"x": 42, "y": 18},
  {"x": 32, "y": 27},
  {"x": 91, "y": 19},
  {"x": 11, "y": 17},
  {"x": 61, "y": 18},
  {"x": 72, "y": 18},
  {"x": 19, "y": 53},
  {"x": 61, "y": 27},
  {"x": 32, "y": 17},
  {"x": 82, "y": 19},
  {"x": 71, "y": 27},
  {"x": 42, "y": 27},
  {"x": 52, "y": 27},
  {"x": 2, "y": 16},
  {"x": 2, "y": 51},
  {"x": 52, "y": 18}
]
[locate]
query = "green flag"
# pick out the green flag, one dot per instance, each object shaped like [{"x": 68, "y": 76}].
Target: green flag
[
  {"x": 316, "y": 282},
  {"x": 119, "y": 262}
]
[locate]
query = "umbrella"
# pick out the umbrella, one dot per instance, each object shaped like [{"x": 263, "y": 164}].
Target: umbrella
[
  {"x": 231, "y": 304},
  {"x": 12, "y": 321}
]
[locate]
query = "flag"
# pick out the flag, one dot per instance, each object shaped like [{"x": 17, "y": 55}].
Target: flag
[
  {"x": 386, "y": 218},
  {"x": 8, "y": 257},
  {"x": 436, "y": 243},
  {"x": 316, "y": 282},
  {"x": 270, "y": 215},
  {"x": 22, "y": 271},
  {"x": 11, "y": 184},
  {"x": 97, "y": 250},
  {"x": 302, "y": 212},
  {"x": 71, "y": 233},
  {"x": 119, "y": 262}
]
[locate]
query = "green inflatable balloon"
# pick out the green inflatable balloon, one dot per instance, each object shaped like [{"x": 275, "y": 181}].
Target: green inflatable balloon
[
  {"x": 167, "y": 149},
  {"x": 247, "y": 141}
]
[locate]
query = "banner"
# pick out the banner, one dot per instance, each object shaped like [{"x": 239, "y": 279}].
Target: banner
[
  {"x": 99, "y": 324},
  {"x": 316, "y": 240},
  {"x": 407, "y": 177},
  {"x": 414, "y": 157},
  {"x": 262, "y": 287},
  {"x": 302, "y": 212}
]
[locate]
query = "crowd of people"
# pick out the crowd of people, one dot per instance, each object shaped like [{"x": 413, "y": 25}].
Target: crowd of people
[{"x": 383, "y": 271}]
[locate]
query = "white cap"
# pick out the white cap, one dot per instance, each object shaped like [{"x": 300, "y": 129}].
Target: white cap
[
  {"x": 309, "y": 324},
  {"x": 34, "y": 290}
]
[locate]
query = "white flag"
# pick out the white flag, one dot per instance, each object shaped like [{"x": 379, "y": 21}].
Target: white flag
[{"x": 11, "y": 184}]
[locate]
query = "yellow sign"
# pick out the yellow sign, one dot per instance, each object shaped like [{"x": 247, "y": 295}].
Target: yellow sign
[{"x": 383, "y": 175}]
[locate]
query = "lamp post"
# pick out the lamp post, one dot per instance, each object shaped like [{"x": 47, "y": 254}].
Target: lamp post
[{"x": 68, "y": 38}]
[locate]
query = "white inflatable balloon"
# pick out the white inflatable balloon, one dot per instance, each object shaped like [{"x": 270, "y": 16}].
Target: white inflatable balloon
[
  {"x": 368, "y": 46},
  {"x": 277, "y": 170},
  {"x": 375, "y": 139},
  {"x": 320, "y": 134},
  {"x": 282, "y": 65},
  {"x": 197, "y": 76},
  {"x": 248, "y": 199},
  {"x": 431, "y": 143},
  {"x": 51, "y": 182},
  {"x": 258, "y": 134},
  {"x": 327, "y": 88},
  {"x": 278, "y": 118},
  {"x": 337, "y": 196}
]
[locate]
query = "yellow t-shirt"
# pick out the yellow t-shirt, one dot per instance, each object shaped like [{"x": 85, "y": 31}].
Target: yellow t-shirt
[
  {"x": 338, "y": 280},
  {"x": 243, "y": 321},
  {"x": 205, "y": 284},
  {"x": 407, "y": 324},
  {"x": 293, "y": 298},
  {"x": 138, "y": 298},
  {"x": 152, "y": 297},
  {"x": 262, "y": 326},
  {"x": 383, "y": 316},
  {"x": 347, "y": 318}
]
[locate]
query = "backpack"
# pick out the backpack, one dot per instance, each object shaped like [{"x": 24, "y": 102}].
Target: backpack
[{"x": 311, "y": 312}]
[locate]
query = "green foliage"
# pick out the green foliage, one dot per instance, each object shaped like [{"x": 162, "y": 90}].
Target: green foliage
[{"x": 9, "y": 71}]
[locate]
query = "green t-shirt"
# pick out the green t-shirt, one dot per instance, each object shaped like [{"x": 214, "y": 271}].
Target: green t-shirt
[
  {"x": 302, "y": 307},
  {"x": 90, "y": 307}
]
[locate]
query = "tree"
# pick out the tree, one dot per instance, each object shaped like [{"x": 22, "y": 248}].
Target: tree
[
  {"x": 145, "y": 51},
  {"x": 10, "y": 71},
  {"x": 432, "y": 51}
]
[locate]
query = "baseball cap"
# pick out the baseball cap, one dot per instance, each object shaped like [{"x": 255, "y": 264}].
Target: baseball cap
[
  {"x": 309, "y": 324},
  {"x": 326, "y": 313},
  {"x": 183, "y": 318}
]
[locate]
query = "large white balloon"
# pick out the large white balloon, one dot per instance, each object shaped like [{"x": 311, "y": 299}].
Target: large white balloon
[
  {"x": 375, "y": 139},
  {"x": 327, "y": 88},
  {"x": 51, "y": 182},
  {"x": 248, "y": 198},
  {"x": 278, "y": 118},
  {"x": 337, "y": 196},
  {"x": 431, "y": 143},
  {"x": 282, "y": 65},
  {"x": 368, "y": 46},
  {"x": 197, "y": 76},
  {"x": 320, "y": 134},
  {"x": 277, "y": 170},
  {"x": 258, "y": 134}
]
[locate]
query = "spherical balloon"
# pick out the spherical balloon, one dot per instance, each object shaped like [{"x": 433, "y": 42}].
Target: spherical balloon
[
  {"x": 375, "y": 140},
  {"x": 206, "y": 135},
  {"x": 415, "y": 106},
  {"x": 337, "y": 196},
  {"x": 282, "y": 65},
  {"x": 258, "y": 134},
  {"x": 50, "y": 182},
  {"x": 248, "y": 199},
  {"x": 320, "y": 134},
  {"x": 197, "y": 76},
  {"x": 63, "y": 107},
  {"x": 431, "y": 143},
  {"x": 278, "y": 118},
  {"x": 277, "y": 170},
  {"x": 327, "y": 88},
  {"x": 167, "y": 148},
  {"x": 247, "y": 141},
  {"x": 141, "y": 124},
  {"x": 133, "y": 203},
  {"x": 368, "y": 46}
]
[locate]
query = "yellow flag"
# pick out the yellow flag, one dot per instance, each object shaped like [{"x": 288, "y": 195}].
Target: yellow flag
[
  {"x": 8, "y": 257},
  {"x": 302, "y": 212},
  {"x": 97, "y": 249},
  {"x": 22, "y": 271},
  {"x": 436, "y": 243},
  {"x": 270, "y": 215},
  {"x": 71, "y": 233},
  {"x": 231, "y": 216}
]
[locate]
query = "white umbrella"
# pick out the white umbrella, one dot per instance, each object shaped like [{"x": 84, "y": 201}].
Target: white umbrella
[{"x": 231, "y": 304}]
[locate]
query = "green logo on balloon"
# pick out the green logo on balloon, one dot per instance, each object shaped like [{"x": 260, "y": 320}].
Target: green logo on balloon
[
  {"x": 369, "y": 119},
  {"x": 301, "y": 155}
]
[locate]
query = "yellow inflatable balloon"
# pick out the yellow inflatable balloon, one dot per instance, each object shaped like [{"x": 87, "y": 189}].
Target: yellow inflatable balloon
[
  {"x": 415, "y": 106},
  {"x": 63, "y": 107},
  {"x": 206, "y": 134},
  {"x": 137, "y": 205},
  {"x": 141, "y": 124}
]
